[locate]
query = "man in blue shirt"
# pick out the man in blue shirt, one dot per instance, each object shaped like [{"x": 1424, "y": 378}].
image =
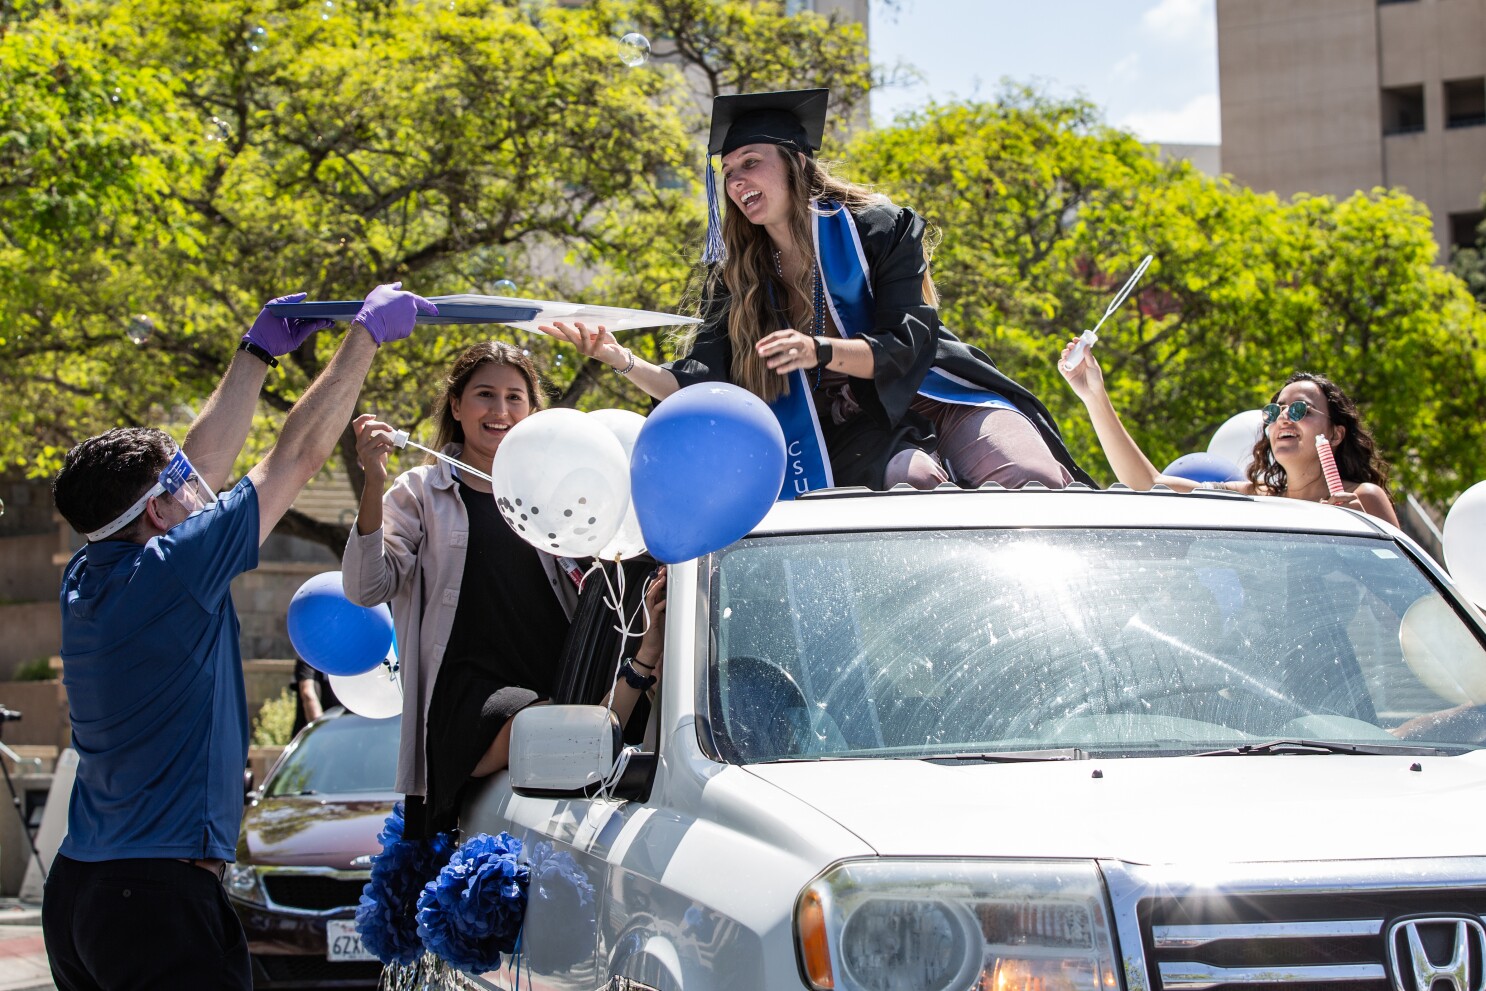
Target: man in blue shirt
[{"x": 153, "y": 668}]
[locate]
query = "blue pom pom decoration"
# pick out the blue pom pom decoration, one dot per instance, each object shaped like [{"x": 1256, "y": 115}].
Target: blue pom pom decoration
[
  {"x": 472, "y": 912},
  {"x": 386, "y": 917}
]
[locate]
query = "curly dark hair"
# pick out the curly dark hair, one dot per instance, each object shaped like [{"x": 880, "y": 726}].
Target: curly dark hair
[
  {"x": 469, "y": 361},
  {"x": 103, "y": 476},
  {"x": 1357, "y": 458}
]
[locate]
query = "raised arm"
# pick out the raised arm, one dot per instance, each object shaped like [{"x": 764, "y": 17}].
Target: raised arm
[
  {"x": 654, "y": 380},
  {"x": 314, "y": 425},
  {"x": 217, "y": 434},
  {"x": 1129, "y": 462}
]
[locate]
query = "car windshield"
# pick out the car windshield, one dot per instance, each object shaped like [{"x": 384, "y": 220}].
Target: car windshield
[
  {"x": 973, "y": 643},
  {"x": 341, "y": 756}
]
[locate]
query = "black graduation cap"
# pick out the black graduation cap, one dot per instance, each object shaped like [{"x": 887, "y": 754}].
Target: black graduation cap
[
  {"x": 795, "y": 118},
  {"x": 792, "y": 117}
]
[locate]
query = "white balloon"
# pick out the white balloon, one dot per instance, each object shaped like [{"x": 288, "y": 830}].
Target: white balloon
[
  {"x": 1235, "y": 439},
  {"x": 1465, "y": 543},
  {"x": 627, "y": 541},
  {"x": 562, "y": 481},
  {"x": 1441, "y": 652},
  {"x": 377, "y": 694}
]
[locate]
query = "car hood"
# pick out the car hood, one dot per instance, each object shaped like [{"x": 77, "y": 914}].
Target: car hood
[
  {"x": 1154, "y": 810},
  {"x": 310, "y": 831}
]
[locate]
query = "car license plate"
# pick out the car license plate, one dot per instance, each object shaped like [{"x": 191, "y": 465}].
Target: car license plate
[{"x": 342, "y": 943}]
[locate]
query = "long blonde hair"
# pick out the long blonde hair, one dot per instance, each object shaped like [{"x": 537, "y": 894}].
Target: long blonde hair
[{"x": 752, "y": 279}]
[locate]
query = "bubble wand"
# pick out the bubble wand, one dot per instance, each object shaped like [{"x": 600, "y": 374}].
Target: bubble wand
[
  {"x": 1328, "y": 466},
  {"x": 400, "y": 439},
  {"x": 1090, "y": 337}
]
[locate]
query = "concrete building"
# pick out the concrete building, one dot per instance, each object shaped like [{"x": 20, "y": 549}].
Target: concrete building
[{"x": 1333, "y": 96}]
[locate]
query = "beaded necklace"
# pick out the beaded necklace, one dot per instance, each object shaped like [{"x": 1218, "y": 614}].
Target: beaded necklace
[{"x": 818, "y": 291}]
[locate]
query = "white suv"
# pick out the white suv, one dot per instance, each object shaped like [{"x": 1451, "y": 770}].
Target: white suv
[{"x": 1025, "y": 741}]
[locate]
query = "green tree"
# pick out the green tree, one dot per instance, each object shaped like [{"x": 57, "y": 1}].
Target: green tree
[
  {"x": 184, "y": 161},
  {"x": 1044, "y": 211}
]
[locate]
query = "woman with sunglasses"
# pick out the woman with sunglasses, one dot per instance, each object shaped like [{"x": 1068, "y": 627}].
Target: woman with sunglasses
[{"x": 1285, "y": 462}]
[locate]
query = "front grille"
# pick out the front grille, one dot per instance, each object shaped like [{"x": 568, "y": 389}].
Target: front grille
[
  {"x": 1301, "y": 942},
  {"x": 315, "y": 892},
  {"x": 316, "y": 970}
]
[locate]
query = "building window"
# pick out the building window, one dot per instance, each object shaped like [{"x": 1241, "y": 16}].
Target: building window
[
  {"x": 1465, "y": 227},
  {"x": 1403, "y": 109},
  {"x": 1465, "y": 102}
]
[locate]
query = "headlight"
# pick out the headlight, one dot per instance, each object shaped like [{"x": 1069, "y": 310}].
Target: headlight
[
  {"x": 243, "y": 884},
  {"x": 953, "y": 925}
]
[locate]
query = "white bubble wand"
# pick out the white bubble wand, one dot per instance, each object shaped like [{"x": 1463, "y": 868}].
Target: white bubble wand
[
  {"x": 1091, "y": 337},
  {"x": 400, "y": 439}
]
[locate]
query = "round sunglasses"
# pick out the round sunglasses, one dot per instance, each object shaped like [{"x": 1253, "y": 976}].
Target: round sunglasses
[{"x": 1296, "y": 411}]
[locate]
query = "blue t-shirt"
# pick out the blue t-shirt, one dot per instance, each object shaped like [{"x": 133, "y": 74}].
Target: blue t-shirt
[{"x": 153, "y": 669}]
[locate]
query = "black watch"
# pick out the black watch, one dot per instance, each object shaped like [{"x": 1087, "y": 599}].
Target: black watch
[
  {"x": 633, "y": 678},
  {"x": 823, "y": 351}
]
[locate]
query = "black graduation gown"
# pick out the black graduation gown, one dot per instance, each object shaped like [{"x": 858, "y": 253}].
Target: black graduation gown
[{"x": 907, "y": 339}]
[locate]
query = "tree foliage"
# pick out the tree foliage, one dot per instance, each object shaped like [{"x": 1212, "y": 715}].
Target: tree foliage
[
  {"x": 1044, "y": 211},
  {"x": 185, "y": 160}
]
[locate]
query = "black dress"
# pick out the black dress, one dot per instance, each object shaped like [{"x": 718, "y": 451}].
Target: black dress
[{"x": 502, "y": 655}]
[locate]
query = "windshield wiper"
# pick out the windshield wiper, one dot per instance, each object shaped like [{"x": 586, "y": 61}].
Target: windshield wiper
[
  {"x": 1322, "y": 747},
  {"x": 1009, "y": 756}
]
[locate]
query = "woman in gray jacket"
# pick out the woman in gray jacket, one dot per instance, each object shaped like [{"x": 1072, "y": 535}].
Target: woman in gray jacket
[{"x": 481, "y": 615}]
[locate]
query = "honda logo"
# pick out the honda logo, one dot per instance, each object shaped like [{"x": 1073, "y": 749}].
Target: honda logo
[{"x": 1438, "y": 953}]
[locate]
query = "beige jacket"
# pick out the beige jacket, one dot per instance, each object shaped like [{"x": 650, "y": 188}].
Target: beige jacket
[{"x": 416, "y": 562}]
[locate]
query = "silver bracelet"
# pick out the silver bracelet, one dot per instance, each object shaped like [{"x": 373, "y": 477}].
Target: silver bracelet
[{"x": 628, "y": 367}]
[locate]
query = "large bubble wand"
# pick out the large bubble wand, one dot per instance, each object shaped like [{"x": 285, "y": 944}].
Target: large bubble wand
[
  {"x": 1091, "y": 337},
  {"x": 400, "y": 439}
]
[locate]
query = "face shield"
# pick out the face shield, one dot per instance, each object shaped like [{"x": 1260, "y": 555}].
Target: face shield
[{"x": 179, "y": 480}]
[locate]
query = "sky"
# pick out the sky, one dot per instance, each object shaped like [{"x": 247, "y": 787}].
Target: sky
[{"x": 1152, "y": 65}]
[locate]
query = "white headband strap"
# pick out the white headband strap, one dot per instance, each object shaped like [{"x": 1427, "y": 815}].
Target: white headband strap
[{"x": 127, "y": 516}]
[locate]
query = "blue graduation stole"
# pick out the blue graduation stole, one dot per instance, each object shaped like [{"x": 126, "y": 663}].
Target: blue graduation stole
[{"x": 846, "y": 277}]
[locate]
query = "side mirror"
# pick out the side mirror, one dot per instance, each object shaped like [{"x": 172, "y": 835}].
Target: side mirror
[
  {"x": 247, "y": 783},
  {"x": 562, "y": 750}
]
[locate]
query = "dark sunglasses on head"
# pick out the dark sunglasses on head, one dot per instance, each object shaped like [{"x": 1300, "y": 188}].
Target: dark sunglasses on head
[{"x": 1296, "y": 411}]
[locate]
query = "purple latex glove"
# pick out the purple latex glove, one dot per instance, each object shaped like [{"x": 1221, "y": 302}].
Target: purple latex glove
[
  {"x": 388, "y": 314},
  {"x": 278, "y": 335}
]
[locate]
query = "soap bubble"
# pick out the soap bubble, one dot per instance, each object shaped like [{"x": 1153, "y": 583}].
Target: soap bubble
[
  {"x": 326, "y": 9},
  {"x": 218, "y": 129},
  {"x": 256, "y": 38},
  {"x": 504, "y": 287},
  {"x": 140, "y": 328},
  {"x": 118, "y": 94},
  {"x": 2, "y": 507},
  {"x": 634, "y": 49}
]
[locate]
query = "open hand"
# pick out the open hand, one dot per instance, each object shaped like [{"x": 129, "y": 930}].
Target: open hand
[{"x": 597, "y": 343}]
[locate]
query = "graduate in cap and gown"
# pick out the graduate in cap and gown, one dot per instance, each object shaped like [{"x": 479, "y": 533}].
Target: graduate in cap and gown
[{"x": 818, "y": 299}]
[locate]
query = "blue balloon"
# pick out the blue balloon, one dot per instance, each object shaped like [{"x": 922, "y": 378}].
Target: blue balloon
[
  {"x": 332, "y": 633},
  {"x": 1200, "y": 466},
  {"x": 707, "y": 465}
]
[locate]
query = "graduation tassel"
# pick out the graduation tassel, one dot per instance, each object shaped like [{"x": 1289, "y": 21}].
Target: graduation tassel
[{"x": 713, "y": 251}]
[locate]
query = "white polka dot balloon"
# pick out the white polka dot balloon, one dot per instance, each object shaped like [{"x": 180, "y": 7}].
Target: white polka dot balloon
[{"x": 561, "y": 480}]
